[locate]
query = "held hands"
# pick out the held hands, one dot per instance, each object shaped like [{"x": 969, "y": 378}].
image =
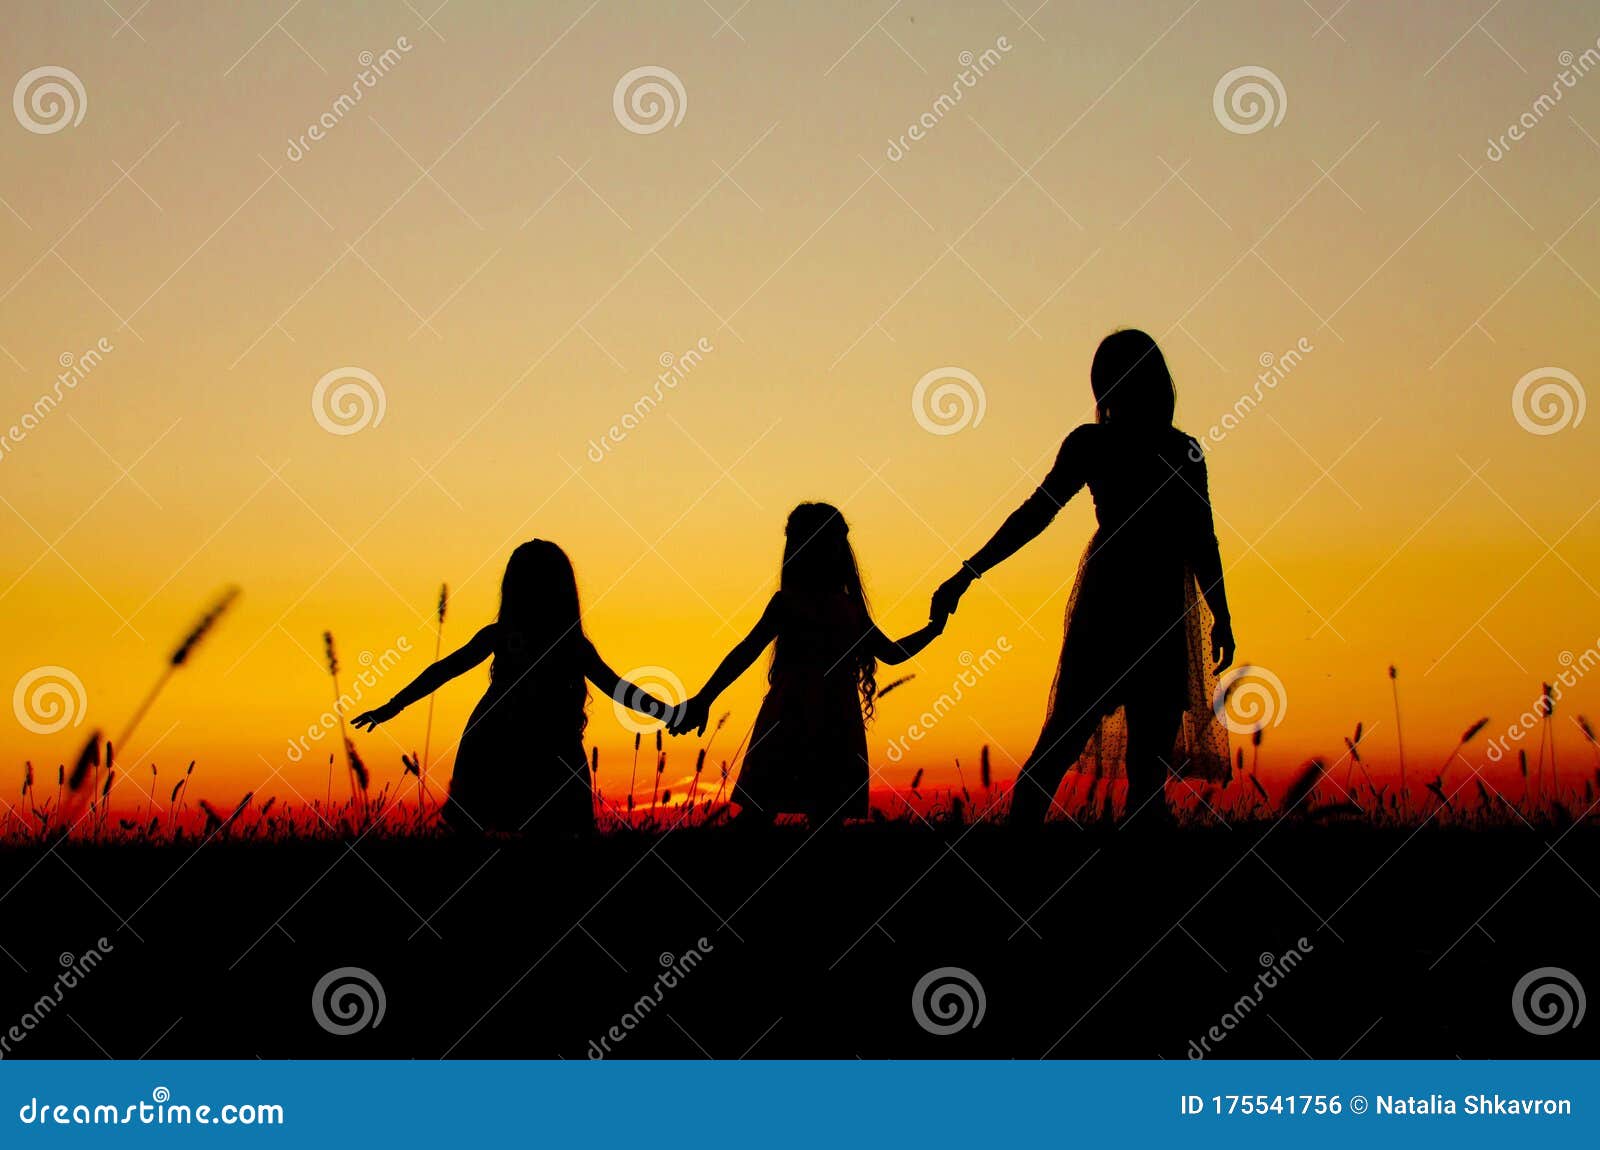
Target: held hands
[
  {"x": 946, "y": 598},
  {"x": 368, "y": 720},
  {"x": 691, "y": 716},
  {"x": 1222, "y": 645}
]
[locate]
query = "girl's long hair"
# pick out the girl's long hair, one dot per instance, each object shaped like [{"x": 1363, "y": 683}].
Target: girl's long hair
[
  {"x": 1131, "y": 384},
  {"x": 539, "y": 640},
  {"x": 819, "y": 561}
]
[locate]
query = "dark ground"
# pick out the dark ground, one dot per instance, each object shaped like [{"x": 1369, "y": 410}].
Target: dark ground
[{"x": 1088, "y": 944}]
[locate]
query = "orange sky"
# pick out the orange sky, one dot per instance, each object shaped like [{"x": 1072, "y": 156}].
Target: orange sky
[{"x": 483, "y": 235}]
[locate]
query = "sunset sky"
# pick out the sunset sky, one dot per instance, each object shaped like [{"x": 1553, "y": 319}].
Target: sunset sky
[{"x": 485, "y": 236}]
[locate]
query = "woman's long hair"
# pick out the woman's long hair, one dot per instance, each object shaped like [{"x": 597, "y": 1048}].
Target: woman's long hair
[
  {"x": 1131, "y": 384},
  {"x": 819, "y": 561},
  {"x": 539, "y": 640}
]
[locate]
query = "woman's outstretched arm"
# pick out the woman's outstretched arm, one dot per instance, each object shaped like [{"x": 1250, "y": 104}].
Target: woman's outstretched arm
[
  {"x": 1023, "y": 525},
  {"x": 458, "y": 662},
  {"x": 1205, "y": 558},
  {"x": 696, "y": 711},
  {"x": 636, "y": 698}
]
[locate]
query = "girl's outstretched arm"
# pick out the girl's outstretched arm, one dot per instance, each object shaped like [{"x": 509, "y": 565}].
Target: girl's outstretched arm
[
  {"x": 893, "y": 651},
  {"x": 458, "y": 662},
  {"x": 696, "y": 711},
  {"x": 636, "y": 698}
]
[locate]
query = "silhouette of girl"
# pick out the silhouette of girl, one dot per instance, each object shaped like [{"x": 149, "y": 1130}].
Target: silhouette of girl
[
  {"x": 1134, "y": 688},
  {"x": 808, "y": 750},
  {"x": 521, "y": 766}
]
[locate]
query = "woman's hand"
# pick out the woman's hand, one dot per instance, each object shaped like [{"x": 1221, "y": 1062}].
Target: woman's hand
[
  {"x": 368, "y": 720},
  {"x": 693, "y": 715},
  {"x": 1222, "y": 645},
  {"x": 948, "y": 596}
]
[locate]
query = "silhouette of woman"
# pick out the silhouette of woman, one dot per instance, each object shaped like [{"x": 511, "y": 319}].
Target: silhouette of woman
[
  {"x": 521, "y": 766},
  {"x": 808, "y": 750},
  {"x": 1134, "y": 686}
]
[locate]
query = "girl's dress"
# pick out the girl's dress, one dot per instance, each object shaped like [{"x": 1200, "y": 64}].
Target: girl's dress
[
  {"x": 1137, "y": 627},
  {"x": 520, "y": 766},
  {"x": 808, "y": 749}
]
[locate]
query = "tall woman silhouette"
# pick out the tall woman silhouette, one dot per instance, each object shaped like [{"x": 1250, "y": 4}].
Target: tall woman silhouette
[{"x": 1133, "y": 690}]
